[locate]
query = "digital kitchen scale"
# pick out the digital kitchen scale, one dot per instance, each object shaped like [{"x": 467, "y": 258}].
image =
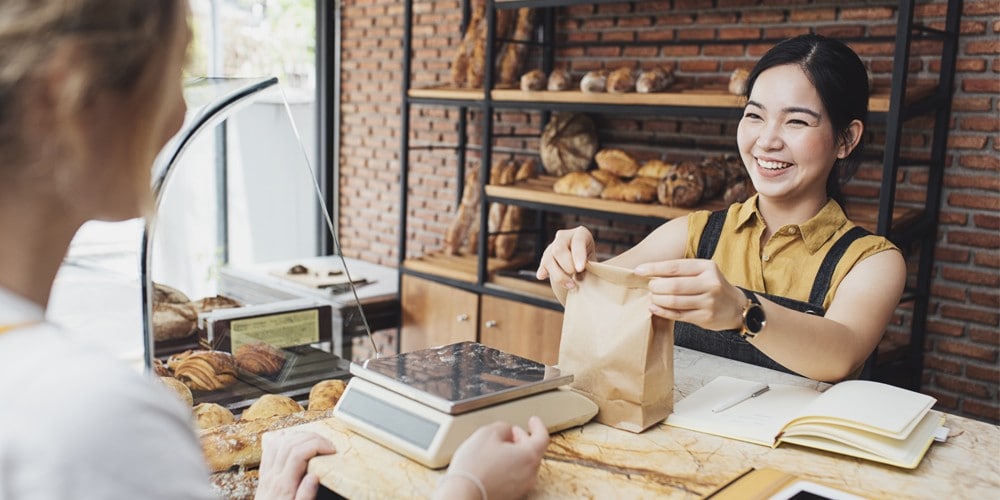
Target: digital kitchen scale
[{"x": 424, "y": 404}]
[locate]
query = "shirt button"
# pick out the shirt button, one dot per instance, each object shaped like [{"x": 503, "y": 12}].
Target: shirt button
[
  {"x": 766, "y": 258},
  {"x": 793, "y": 230}
]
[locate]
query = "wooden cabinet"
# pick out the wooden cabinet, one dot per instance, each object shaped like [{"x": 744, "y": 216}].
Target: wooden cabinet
[{"x": 436, "y": 314}]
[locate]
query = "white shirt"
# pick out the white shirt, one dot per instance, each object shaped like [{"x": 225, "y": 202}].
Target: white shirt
[{"x": 77, "y": 423}]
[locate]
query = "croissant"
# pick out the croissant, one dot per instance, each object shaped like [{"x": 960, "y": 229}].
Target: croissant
[
  {"x": 207, "y": 370},
  {"x": 259, "y": 358}
]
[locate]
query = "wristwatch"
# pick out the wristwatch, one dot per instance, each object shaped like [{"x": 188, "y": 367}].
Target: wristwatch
[{"x": 753, "y": 316}]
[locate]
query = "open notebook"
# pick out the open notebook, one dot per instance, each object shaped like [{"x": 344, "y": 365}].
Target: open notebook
[{"x": 863, "y": 419}]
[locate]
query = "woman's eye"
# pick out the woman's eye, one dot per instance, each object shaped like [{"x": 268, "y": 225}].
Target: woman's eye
[
  {"x": 751, "y": 115},
  {"x": 797, "y": 123}
]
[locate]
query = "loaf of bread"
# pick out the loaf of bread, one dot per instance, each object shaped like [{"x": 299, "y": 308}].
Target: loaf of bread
[
  {"x": 513, "y": 54},
  {"x": 621, "y": 81},
  {"x": 578, "y": 184},
  {"x": 738, "y": 81},
  {"x": 458, "y": 230},
  {"x": 239, "y": 484},
  {"x": 259, "y": 358},
  {"x": 654, "y": 80},
  {"x": 617, "y": 162},
  {"x": 208, "y": 304},
  {"x": 207, "y": 370},
  {"x": 683, "y": 187},
  {"x": 271, "y": 405},
  {"x": 463, "y": 53},
  {"x": 635, "y": 191},
  {"x": 208, "y": 415},
  {"x": 239, "y": 443},
  {"x": 739, "y": 191},
  {"x": 163, "y": 294},
  {"x": 533, "y": 80},
  {"x": 656, "y": 169},
  {"x": 714, "y": 176},
  {"x": 477, "y": 63},
  {"x": 568, "y": 143},
  {"x": 648, "y": 181},
  {"x": 560, "y": 79},
  {"x": 325, "y": 394},
  {"x": 506, "y": 245},
  {"x": 182, "y": 391},
  {"x": 172, "y": 321},
  {"x": 606, "y": 177},
  {"x": 595, "y": 81},
  {"x": 527, "y": 170}
]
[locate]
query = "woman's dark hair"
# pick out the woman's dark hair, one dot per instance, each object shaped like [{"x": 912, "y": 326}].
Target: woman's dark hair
[{"x": 841, "y": 80}]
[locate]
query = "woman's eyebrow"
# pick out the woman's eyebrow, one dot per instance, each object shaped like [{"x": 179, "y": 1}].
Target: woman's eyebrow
[{"x": 791, "y": 109}]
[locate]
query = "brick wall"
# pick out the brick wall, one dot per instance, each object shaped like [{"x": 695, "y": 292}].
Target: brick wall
[{"x": 962, "y": 363}]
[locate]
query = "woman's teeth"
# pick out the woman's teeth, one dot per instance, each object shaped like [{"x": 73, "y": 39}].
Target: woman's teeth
[{"x": 772, "y": 165}]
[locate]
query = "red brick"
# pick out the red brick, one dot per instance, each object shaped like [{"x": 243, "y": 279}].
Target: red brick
[
  {"x": 967, "y": 350},
  {"x": 986, "y": 221},
  {"x": 954, "y": 255},
  {"x": 984, "y": 259},
  {"x": 969, "y": 65},
  {"x": 974, "y": 201},
  {"x": 986, "y": 410},
  {"x": 981, "y": 8},
  {"x": 943, "y": 365},
  {"x": 764, "y": 17},
  {"x": 980, "y": 123},
  {"x": 981, "y": 85},
  {"x": 970, "y": 277},
  {"x": 945, "y": 328},
  {"x": 974, "y": 238},
  {"x": 985, "y": 373},
  {"x": 987, "y": 47},
  {"x": 990, "y": 162},
  {"x": 867, "y": 14},
  {"x": 989, "y": 336},
  {"x": 945, "y": 402},
  {"x": 988, "y": 299},
  {"x": 962, "y": 386},
  {"x": 975, "y": 315}
]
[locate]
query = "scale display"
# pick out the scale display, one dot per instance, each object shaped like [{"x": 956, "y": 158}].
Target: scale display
[{"x": 461, "y": 377}]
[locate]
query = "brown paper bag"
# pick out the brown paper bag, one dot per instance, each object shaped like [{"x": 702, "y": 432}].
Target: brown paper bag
[{"x": 620, "y": 355}]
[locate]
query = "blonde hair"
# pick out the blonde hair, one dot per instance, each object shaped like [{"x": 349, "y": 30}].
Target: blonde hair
[{"x": 115, "y": 41}]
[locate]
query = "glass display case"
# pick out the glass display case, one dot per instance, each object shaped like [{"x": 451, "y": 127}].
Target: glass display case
[{"x": 237, "y": 299}]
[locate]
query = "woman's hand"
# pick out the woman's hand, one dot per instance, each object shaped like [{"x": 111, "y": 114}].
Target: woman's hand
[
  {"x": 693, "y": 291},
  {"x": 504, "y": 458},
  {"x": 283, "y": 464},
  {"x": 566, "y": 255}
]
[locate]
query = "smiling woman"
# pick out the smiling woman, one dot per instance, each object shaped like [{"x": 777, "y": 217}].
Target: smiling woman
[{"x": 784, "y": 280}]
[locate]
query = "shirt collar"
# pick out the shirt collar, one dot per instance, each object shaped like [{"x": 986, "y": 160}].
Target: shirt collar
[
  {"x": 815, "y": 231},
  {"x": 15, "y": 310}
]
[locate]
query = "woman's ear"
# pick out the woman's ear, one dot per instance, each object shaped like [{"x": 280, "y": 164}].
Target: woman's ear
[{"x": 850, "y": 138}]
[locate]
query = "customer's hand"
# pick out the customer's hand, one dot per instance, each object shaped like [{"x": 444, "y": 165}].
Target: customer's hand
[
  {"x": 694, "y": 291},
  {"x": 504, "y": 458},
  {"x": 566, "y": 255},
  {"x": 283, "y": 464}
]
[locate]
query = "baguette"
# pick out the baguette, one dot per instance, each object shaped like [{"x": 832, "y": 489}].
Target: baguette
[
  {"x": 239, "y": 443},
  {"x": 513, "y": 54},
  {"x": 506, "y": 244},
  {"x": 459, "y": 228},
  {"x": 463, "y": 54}
]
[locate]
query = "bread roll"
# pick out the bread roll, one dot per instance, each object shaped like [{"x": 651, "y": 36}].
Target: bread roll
[
  {"x": 239, "y": 484},
  {"x": 714, "y": 177},
  {"x": 512, "y": 57},
  {"x": 208, "y": 415},
  {"x": 739, "y": 191},
  {"x": 259, "y": 358},
  {"x": 160, "y": 369},
  {"x": 578, "y": 184},
  {"x": 616, "y": 161},
  {"x": 654, "y": 80},
  {"x": 648, "y": 181},
  {"x": 325, "y": 394},
  {"x": 506, "y": 244},
  {"x": 178, "y": 387},
  {"x": 458, "y": 230},
  {"x": 683, "y": 187},
  {"x": 174, "y": 321},
  {"x": 595, "y": 81},
  {"x": 168, "y": 295},
  {"x": 738, "y": 81},
  {"x": 568, "y": 143},
  {"x": 527, "y": 170},
  {"x": 635, "y": 191},
  {"x": 621, "y": 81},
  {"x": 208, "y": 304},
  {"x": 606, "y": 177},
  {"x": 207, "y": 370},
  {"x": 533, "y": 80},
  {"x": 239, "y": 443},
  {"x": 271, "y": 405},
  {"x": 656, "y": 169},
  {"x": 560, "y": 79}
]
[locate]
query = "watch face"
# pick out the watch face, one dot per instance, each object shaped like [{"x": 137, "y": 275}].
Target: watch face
[{"x": 754, "y": 319}]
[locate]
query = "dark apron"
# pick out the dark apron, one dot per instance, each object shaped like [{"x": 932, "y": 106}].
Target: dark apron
[{"x": 729, "y": 343}]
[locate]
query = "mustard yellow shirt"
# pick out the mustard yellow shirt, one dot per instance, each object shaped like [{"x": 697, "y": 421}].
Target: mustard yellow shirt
[{"x": 789, "y": 261}]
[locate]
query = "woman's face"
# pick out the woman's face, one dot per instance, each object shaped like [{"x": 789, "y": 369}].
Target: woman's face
[{"x": 785, "y": 138}]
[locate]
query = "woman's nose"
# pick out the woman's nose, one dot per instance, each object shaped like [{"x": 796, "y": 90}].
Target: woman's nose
[{"x": 769, "y": 136}]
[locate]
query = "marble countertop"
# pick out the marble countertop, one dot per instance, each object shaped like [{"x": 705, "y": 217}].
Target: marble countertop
[{"x": 597, "y": 461}]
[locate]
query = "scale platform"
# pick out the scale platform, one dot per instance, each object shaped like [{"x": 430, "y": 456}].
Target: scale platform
[{"x": 424, "y": 404}]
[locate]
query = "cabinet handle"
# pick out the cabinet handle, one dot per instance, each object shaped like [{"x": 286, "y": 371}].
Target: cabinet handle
[
  {"x": 491, "y": 323},
  {"x": 462, "y": 317}
]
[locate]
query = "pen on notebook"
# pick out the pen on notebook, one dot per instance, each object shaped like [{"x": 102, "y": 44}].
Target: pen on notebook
[{"x": 752, "y": 392}]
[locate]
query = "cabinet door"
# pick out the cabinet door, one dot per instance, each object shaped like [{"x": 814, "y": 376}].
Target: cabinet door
[
  {"x": 435, "y": 314},
  {"x": 525, "y": 330}
]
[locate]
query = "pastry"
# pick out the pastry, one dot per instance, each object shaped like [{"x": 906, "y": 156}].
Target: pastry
[
  {"x": 513, "y": 54},
  {"x": 683, "y": 187},
  {"x": 208, "y": 304},
  {"x": 579, "y": 184},
  {"x": 173, "y": 321},
  {"x": 595, "y": 81},
  {"x": 206, "y": 370},
  {"x": 654, "y": 80},
  {"x": 738, "y": 81},
  {"x": 635, "y": 191},
  {"x": 606, "y": 177},
  {"x": 568, "y": 143},
  {"x": 617, "y": 162},
  {"x": 208, "y": 415},
  {"x": 169, "y": 295},
  {"x": 621, "y": 81},
  {"x": 527, "y": 170},
  {"x": 178, "y": 387},
  {"x": 324, "y": 395},
  {"x": 648, "y": 181},
  {"x": 239, "y": 443},
  {"x": 160, "y": 369},
  {"x": 533, "y": 80},
  {"x": 656, "y": 169},
  {"x": 259, "y": 358},
  {"x": 271, "y": 405},
  {"x": 560, "y": 79},
  {"x": 713, "y": 173}
]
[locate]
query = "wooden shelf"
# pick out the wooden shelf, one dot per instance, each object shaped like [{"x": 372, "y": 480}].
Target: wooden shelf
[
  {"x": 460, "y": 267},
  {"x": 680, "y": 96}
]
